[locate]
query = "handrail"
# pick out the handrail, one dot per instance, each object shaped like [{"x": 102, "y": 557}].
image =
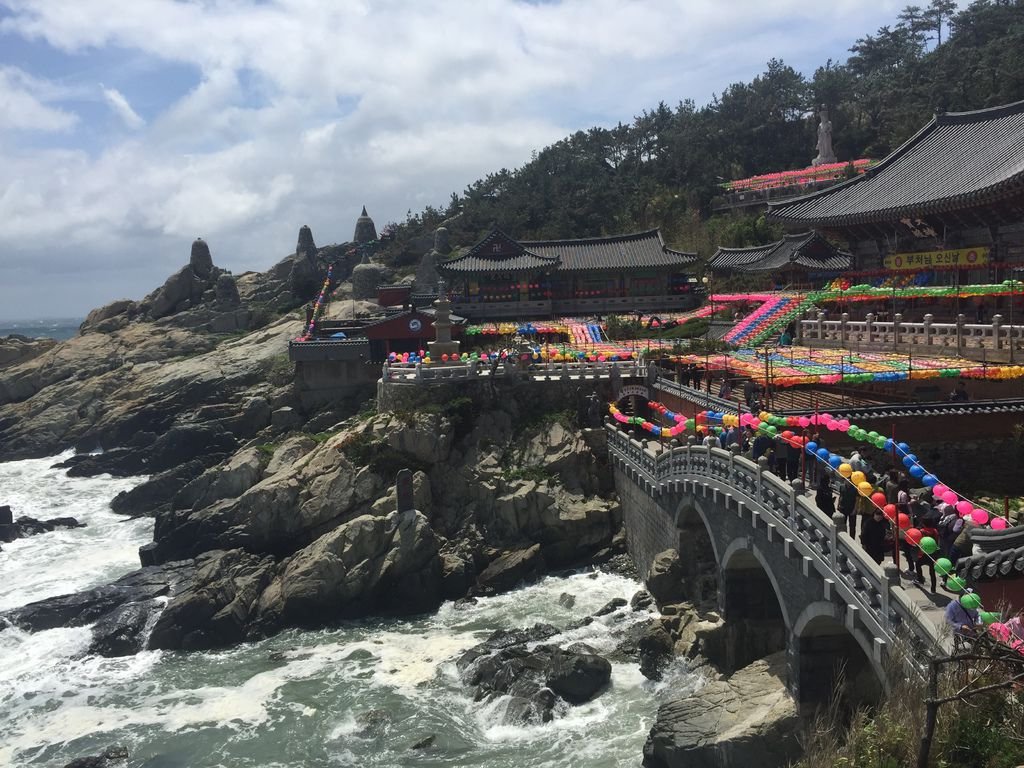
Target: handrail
[
  {"x": 418, "y": 373},
  {"x": 861, "y": 582}
]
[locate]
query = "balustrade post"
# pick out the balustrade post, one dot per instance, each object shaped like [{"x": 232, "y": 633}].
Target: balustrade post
[
  {"x": 762, "y": 467},
  {"x": 928, "y": 319},
  {"x": 891, "y": 579},
  {"x": 897, "y": 321},
  {"x": 997, "y": 331},
  {"x": 821, "y": 326},
  {"x": 870, "y": 321},
  {"x": 843, "y": 320},
  {"x": 838, "y": 522},
  {"x": 960, "y": 333},
  {"x": 419, "y": 371}
]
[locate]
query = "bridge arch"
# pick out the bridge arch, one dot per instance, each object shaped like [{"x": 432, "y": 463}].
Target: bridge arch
[
  {"x": 753, "y": 605},
  {"x": 698, "y": 552},
  {"x": 828, "y": 652}
]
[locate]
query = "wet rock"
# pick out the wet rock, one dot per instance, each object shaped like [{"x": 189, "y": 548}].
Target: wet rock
[
  {"x": 576, "y": 677},
  {"x": 111, "y": 757},
  {"x": 29, "y": 526},
  {"x": 373, "y": 724},
  {"x": 160, "y": 489},
  {"x": 504, "y": 665},
  {"x": 386, "y": 564},
  {"x": 566, "y": 600},
  {"x": 122, "y": 632},
  {"x": 511, "y": 569},
  {"x": 176, "y": 446},
  {"x": 91, "y": 605},
  {"x": 610, "y": 607},
  {"x": 655, "y": 650},
  {"x": 425, "y": 742},
  {"x": 641, "y": 600},
  {"x": 665, "y": 578},
  {"x": 215, "y": 608},
  {"x": 747, "y": 718}
]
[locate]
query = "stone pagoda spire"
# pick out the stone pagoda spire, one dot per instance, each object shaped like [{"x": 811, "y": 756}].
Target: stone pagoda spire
[{"x": 365, "y": 230}]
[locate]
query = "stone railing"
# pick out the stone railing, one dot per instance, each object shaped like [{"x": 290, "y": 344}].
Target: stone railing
[
  {"x": 417, "y": 373},
  {"x": 997, "y": 337},
  {"x": 695, "y": 395},
  {"x": 870, "y": 592}
]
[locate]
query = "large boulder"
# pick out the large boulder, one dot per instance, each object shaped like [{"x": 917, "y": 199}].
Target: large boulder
[
  {"x": 147, "y": 497},
  {"x": 665, "y": 578},
  {"x": 228, "y": 481},
  {"x": 534, "y": 676},
  {"x": 384, "y": 564},
  {"x": 215, "y": 609},
  {"x": 511, "y": 569},
  {"x": 747, "y": 718}
]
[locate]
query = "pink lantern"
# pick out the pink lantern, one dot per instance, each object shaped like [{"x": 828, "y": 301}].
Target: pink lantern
[
  {"x": 949, "y": 497},
  {"x": 1000, "y": 524},
  {"x": 844, "y": 425},
  {"x": 804, "y": 422},
  {"x": 980, "y": 516},
  {"x": 939, "y": 491},
  {"x": 832, "y": 425},
  {"x": 964, "y": 507}
]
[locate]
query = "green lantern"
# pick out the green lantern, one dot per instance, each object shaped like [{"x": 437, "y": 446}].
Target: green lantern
[
  {"x": 955, "y": 584},
  {"x": 928, "y": 545},
  {"x": 943, "y": 565},
  {"x": 990, "y": 617},
  {"x": 970, "y": 601}
]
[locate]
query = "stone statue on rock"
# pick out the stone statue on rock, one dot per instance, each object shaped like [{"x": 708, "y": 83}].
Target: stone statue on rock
[{"x": 826, "y": 154}]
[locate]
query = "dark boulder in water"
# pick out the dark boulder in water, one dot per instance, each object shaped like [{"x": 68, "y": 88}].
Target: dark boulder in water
[
  {"x": 534, "y": 679},
  {"x": 122, "y": 632},
  {"x": 111, "y": 757},
  {"x": 91, "y": 605}
]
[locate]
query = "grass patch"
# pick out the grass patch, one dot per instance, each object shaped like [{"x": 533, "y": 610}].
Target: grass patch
[{"x": 363, "y": 450}]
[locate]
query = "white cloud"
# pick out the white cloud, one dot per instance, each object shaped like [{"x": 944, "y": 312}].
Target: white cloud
[
  {"x": 303, "y": 110},
  {"x": 122, "y": 108},
  {"x": 23, "y": 107}
]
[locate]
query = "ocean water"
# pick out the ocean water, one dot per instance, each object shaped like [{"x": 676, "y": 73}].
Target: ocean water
[
  {"x": 59, "y": 328},
  {"x": 300, "y": 698}
]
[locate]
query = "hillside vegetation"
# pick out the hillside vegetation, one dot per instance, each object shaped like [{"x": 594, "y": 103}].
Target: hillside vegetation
[{"x": 663, "y": 168}]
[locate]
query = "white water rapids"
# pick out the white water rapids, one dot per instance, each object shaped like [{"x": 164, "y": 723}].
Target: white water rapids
[{"x": 298, "y": 699}]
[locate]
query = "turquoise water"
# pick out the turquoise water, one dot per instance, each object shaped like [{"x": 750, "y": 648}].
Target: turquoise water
[
  {"x": 296, "y": 699},
  {"x": 59, "y": 328}
]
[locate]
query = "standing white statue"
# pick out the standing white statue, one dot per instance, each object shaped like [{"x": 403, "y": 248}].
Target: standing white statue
[{"x": 825, "y": 152}]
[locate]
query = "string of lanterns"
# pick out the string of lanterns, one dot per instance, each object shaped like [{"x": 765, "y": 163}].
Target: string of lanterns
[{"x": 770, "y": 424}]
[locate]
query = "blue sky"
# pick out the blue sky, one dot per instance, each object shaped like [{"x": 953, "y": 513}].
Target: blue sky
[{"x": 127, "y": 129}]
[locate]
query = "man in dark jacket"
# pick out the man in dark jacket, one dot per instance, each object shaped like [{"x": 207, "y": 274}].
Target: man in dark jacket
[{"x": 848, "y": 506}]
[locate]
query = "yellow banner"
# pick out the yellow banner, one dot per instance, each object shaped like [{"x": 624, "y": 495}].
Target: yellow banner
[{"x": 965, "y": 258}]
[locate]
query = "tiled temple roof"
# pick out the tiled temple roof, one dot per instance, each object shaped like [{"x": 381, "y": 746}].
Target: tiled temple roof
[
  {"x": 958, "y": 160},
  {"x": 807, "y": 250},
  {"x": 499, "y": 253}
]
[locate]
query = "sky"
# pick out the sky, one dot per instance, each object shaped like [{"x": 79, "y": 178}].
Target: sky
[{"x": 129, "y": 128}]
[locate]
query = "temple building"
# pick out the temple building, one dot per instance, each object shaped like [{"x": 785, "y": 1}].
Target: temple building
[
  {"x": 502, "y": 278},
  {"x": 796, "y": 261},
  {"x": 948, "y": 204}
]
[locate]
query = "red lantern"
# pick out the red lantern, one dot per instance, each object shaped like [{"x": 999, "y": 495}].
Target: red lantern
[
  {"x": 889, "y": 510},
  {"x": 878, "y": 499},
  {"x": 913, "y": 535},
  {"x": 903, "y": 521}
]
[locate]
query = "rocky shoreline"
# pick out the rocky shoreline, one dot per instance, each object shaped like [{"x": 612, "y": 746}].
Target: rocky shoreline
[{"x": 269, "y": 517}]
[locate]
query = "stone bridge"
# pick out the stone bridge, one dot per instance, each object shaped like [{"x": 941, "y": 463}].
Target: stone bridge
[{"x": 786, "y": 576}]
